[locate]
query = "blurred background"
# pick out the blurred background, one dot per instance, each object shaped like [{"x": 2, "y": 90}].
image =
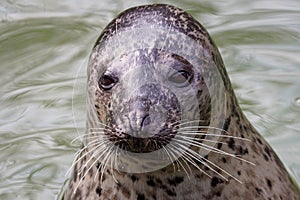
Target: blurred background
[{"x": 44, "y": 49}]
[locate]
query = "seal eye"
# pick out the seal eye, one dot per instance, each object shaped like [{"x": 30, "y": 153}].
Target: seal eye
[
  {"x": 180, "y": 78},
  {"x": 106, "y": 82}
]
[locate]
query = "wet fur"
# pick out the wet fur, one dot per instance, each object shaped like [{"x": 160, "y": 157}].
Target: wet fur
[{"x": 241, "y": 165}]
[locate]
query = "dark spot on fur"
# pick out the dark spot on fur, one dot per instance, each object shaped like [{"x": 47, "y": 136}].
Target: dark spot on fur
[
  {"x": 239, "y": 172},
  {"x": 254, "y": 139},
  {"x": 151, "y": 183},
  {"x": 140, "y": 197},
  {"x": 243, "y": 151},
  {"x": 198, "y": 176},
  {"x": 218, "y": 194},
  {"x": 158, "y": 181},
  {"x": 98, "y": 165},
  {"x": 231, "y": 143},
  {"x": 266, "y": 157},
  {"x": 171, "y": 192},
  {"x": 235, "y": 113},
  {"x": 215, "y": 181},
  {"x": 176, "y": 180},
  {"x": 267, "y": 150},
  {"x": 259, "y": 141},
  {"x": 219, "y": 145},
  {"x": 269, "y": 183},
  {"x": 258, "y": 190},
  {"x": 203, "y": 136},
  {"x": 226, "y": 124},
  {"x": 164, "y": 187},
  {"x": 134, "y": 178},
  {"x": 98, "y": 191},
  {"x": 78, "y": 194},
  {"x": 224, "y": 160},
  {"x": 126, "y": 192},
  {"x": 118, "y": 185},
  {"x": 75, "y": 173}
]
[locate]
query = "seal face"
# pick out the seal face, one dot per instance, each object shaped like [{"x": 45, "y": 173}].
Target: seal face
[
  {"x": 163, "y": 121},
  {"x": 147, "y": 98},
  {"x": 148, "y": 93}
]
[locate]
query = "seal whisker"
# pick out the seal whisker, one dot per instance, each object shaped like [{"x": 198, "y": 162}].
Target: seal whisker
[
  {"x": 99, "y": 129},
  {"x": 179, "y": 164},
  {"x": 89, "y": 132},
  {"x": 97, "y": 145},
  {"x": 101, "y": 124},
  {"x": 90, "y": 135},
  {"x": 201, "y": 127},
  {"x": 78, "y": 159},
  {"x": 200, "y": 139},
  {"x": 185, "y": 155},
  {"x": 105, "y": 160},
  {"x": 116, "y": 155},
  {"x": 93, "y": 136},
  {"x": 96, "y": 142},
  {"x": 167, "y": 36},
  {"x": 117, "y": 34},
  {"x": 207, "y": 133},
  {"x": 183, "y": 122},
  {"x": 79, "y": 137},
  {"x": 199, "y": 158},
  {"x": 113, "y": 163},
  {"x": 169, "y": 155},
  {"x": 223, "y": 170},
  {"x": 103, "y": 151},
  {"x": 87, "y": 171},
  {"x": 100, "y": 168},
  {"x": 192, "y": 142},
  {"x": 75, "y": 161},
  {"x": 187, "y": 121}
]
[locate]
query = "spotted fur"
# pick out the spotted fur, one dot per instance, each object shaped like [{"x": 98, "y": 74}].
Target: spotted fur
[{"x": 240, "y": 165}]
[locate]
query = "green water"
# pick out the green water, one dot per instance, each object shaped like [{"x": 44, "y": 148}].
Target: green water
[{"x": 44, "y": 47}]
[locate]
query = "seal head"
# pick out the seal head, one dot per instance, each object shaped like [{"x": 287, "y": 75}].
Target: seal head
[
  {"x": 163, "y": 121},
  {"x": 150, "y": 77}
]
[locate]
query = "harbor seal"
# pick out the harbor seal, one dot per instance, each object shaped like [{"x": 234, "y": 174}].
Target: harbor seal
[{"x": 163, "y": 121}]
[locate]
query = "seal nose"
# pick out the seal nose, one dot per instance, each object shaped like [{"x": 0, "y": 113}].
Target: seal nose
[
  {"x": 139, "y": 116},
  {"x": 147, "y": 113},
  {"x": 145, "y": 121}
]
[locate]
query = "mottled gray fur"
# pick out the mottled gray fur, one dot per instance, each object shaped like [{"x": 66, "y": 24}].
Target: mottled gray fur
[{"x": 240, "y": 163}]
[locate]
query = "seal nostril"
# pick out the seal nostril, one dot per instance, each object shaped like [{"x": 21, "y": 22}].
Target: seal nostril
[{"x": 146, "y": 120}]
